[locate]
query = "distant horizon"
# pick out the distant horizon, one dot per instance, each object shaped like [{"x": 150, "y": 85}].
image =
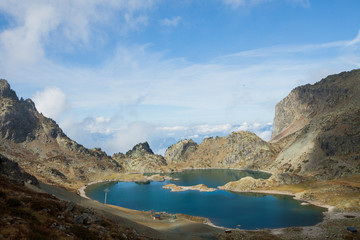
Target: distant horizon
[{"x": 115, "y": 74}]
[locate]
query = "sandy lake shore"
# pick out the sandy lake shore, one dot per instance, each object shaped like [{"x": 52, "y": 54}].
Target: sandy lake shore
[
  {"x": 143, "y": 219},
  {"x": 185, "y": 227}
]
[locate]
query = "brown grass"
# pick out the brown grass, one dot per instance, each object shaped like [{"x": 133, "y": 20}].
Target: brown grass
[
  {"x": 343, "y": 193},
  {"x": 25, "y": 214},
  {"x": 248, "y": 235}
]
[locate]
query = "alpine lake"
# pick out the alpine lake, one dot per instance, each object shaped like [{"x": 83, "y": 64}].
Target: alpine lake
[{"x": 223, "y": 208}]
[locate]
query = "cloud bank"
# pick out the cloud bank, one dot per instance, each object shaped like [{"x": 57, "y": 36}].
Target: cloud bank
[
  {"x": 51, "y": 102},
  {"x": 119, "y": 93}
]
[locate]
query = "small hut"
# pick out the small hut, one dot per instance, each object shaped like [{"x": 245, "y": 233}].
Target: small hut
[{"x": 157, "y": 217}]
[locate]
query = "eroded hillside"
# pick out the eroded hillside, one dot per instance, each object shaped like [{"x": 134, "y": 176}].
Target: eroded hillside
[
  {"x": 238, "y": 150},
  {"x": 317, "y": 128},
  {"x": 316, "y": 134},
  {"x": 41, "y": 148}
]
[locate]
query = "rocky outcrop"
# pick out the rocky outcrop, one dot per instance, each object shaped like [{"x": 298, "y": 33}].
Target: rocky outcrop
[
  {"x": 245, "y": 184},
  {"x": 140, "y": 150},
  {"x": 199, "y": 187},
  {"x": 180, "y": 150},
  {"x": 29, "y": 214},
  {"x": 317, "y": 128},
  {"x": 6, "y": 91},
  {"x": 39, "y": 145},
  {"x": 309, "y": 101},
  {"x": 238, "y": 150},
  {"x": 316, "y": 136},
  {"x": 17, "y": 117},
  {"x": 141, "y": 159},
  {"x": 13, "y": 172}
]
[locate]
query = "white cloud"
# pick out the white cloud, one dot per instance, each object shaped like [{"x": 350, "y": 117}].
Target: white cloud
[
  {"x": 102, "y": 132},
  {"x": 97, "y": 125},
  {"x": 174, "y": 128},
  {"x": 24, "y": 43},
  {"x": 193, "y": 136},
  {"x": 242, "y": 87},
  {"x": 64, "y": 24},
  {"x": 208, "y": 129},
  {"x": 238, "y": 3},
  {"x": 354, "y": 41},
  {"x": 51, "y": 102},
  {"x": 243, "y": 127},
  {"x": 241, "y": 3},
  {"x": 304, "y": 3},
  {"x": 126, "y": 138},
  {"x": 170, "y": 22},
  {"x": 265, "y": 135},
  {"x": 235, "y": 3}
]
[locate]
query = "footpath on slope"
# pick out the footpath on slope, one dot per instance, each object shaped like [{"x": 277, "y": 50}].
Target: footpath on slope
[{"x": 182, "y": 228}]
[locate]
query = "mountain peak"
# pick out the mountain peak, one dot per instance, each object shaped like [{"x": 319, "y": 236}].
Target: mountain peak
[
  {"x": 6, "y": 91},
  {"x": 140, "y": 149}
]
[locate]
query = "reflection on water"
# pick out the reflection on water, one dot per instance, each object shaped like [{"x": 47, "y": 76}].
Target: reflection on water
[
  {"x": 228, "y": 209},
  {"x": 213, "y": 177}
]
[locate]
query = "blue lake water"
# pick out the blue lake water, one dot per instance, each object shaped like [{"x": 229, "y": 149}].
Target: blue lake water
[{"x": 223, "y": 208}]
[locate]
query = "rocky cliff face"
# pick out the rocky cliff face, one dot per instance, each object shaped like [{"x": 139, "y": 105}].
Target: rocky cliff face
[
  {"x": 316, "y": 134},
  {"x": 13, "y": 172},
  {"x": 317, "y": 128},
  {"x": 179, "y": 151},
  {"x": 238, "y": 150},
  {"x": 141, "y": 159},
  {"x": 17, "y": 117},
  {"x": 309, "y": 101},
  {"x": 40, "y": 147}
]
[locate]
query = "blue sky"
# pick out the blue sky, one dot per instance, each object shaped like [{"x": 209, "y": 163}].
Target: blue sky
[{"x": 115, "y": 73}]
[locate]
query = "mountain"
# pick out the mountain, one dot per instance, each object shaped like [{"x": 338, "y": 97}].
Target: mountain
[
  {"x": 28, "y": 213},
  {"x": 238, "y": 150},
  {"x": 316, "y": 134},
  {"x": 12, "y": 172},
  {"x": 42, "y": 149},
  {"x": 317, "y": 128},
  {"x": 141, "y": 159}
]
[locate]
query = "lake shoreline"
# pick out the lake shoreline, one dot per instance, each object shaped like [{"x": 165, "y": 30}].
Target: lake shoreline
[{"x": 330, "y": 209}]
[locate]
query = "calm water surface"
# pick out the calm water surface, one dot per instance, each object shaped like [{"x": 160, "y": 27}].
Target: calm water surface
[{"x": 223, "y": 208}]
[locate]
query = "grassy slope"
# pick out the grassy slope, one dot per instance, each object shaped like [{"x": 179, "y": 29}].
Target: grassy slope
[{"x": 26, "y": 214}]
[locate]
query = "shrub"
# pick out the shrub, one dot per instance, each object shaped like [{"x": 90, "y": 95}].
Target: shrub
[
  {"x": 40, "y": 233},
  {"x": 2, "y": 194},
  {"x": 13, "y": 202},
  {"x": 37, "y": 236},
  {"x": 24, "y": 215},
  {"x": 82, "y": 233},
  {"x": 39, "y": 204}
]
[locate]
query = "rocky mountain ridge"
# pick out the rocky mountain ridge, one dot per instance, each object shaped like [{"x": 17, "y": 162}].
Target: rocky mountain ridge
[
  {"x": 40, "y": 147},
  {"x": 141, "y": 159},
  {"x": 316, "y": 134},
  {"x": 317, "y": 128},
  {"x": 238, "y": 150},
  {"x": 13, "y": 172}
]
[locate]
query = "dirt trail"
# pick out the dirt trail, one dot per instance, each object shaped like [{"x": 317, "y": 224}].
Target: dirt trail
[{"x": 179, "y": 228}]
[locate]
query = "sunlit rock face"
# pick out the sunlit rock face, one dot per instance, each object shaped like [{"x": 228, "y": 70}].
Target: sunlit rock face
[
  {"x": 317, "y": 128},
  {"x": 141, "y": 159},
  {"x": 40, "y": 147},
  {"x": 238, "y": 150},
  {"x": 316, "y": 134}
]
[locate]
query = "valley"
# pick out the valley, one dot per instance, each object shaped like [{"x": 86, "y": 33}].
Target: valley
[{"x": 313, "y": 155}]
